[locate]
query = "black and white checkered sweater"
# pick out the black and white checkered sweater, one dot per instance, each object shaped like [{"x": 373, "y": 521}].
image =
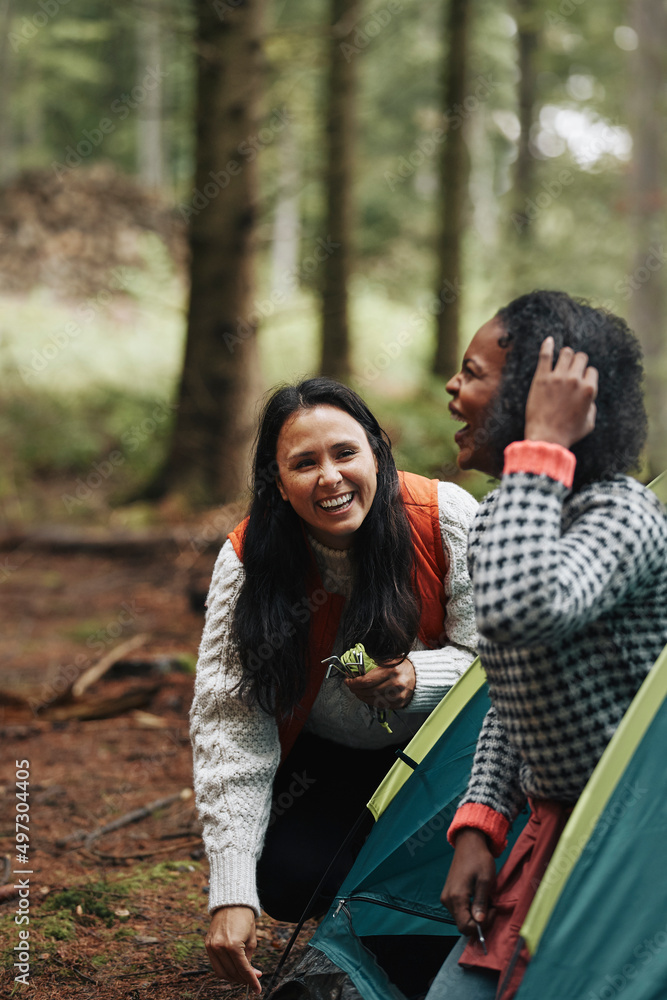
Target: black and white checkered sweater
[{"x": 571, "y": 603}]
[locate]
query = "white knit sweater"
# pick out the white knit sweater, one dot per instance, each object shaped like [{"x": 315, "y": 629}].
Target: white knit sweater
[{"x": 236, "y": 750}]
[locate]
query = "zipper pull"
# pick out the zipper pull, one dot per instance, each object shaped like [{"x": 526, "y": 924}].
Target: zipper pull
[{"x": 341, "y": 904}]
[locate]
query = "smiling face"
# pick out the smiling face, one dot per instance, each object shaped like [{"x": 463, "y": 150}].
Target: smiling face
[
  {"x": 474, "y": 389},
  {"x": 327, "y": 471}
]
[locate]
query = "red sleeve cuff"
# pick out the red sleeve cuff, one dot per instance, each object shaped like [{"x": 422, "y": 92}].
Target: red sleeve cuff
[
  {"x": 541, "y": 457},
  {"x": 483, "y": 818}
]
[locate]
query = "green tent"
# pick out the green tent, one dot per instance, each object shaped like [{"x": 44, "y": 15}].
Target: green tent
[
  {"x": 394, "y": 886},
  {"x": 598, "y": 925},
  {"x": 597, "y": 928}
]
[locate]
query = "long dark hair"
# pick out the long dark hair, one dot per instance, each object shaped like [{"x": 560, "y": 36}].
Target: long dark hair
[
  {"x": 615, "y": 444},
  {"x": 272, "y": 615}
]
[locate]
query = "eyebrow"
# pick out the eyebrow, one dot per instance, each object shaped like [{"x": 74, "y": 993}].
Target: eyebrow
[{"x": 333, "y": 447}]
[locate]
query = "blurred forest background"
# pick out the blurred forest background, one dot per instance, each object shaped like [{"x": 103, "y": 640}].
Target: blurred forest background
[{"x": 200, "y": 199}]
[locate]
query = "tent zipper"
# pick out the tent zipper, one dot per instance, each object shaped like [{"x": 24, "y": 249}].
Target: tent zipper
[{"x": 390, "y": 906}]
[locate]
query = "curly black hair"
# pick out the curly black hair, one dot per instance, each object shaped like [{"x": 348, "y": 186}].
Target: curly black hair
[{"x": 620, "y": 427}]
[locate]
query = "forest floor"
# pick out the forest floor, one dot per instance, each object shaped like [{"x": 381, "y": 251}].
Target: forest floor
[{"x": 123, "y": 915}]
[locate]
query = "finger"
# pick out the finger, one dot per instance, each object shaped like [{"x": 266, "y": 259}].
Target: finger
[
  {"x": 218, "y": 968},
  {"x": 245, "y": 971},
  {"x": 369, "y": 681},
  {"x": 233, "y": 966},
  {"x": 591, "y": 377},
  {"x": 578, "y": 364},
  {"x": 564, "y": 360},
  {"x": 545, "y": 357},
  {"x": 222, "y": 964},
  {"x": 480, "y": 903}
]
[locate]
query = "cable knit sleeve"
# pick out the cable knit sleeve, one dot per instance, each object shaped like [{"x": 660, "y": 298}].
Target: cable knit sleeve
[
  {"x": 235, "y": 752},
  {"x": 438, "y": 669}
]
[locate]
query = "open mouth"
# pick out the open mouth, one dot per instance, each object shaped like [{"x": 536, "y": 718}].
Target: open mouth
[
  {"x": 455, "y": 415},
  {"x": 336, "y": 504}
]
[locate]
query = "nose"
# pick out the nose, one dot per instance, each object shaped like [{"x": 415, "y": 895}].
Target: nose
[
  {"x": 452, "y": 386},
  {"x": 329, "y": 474}
]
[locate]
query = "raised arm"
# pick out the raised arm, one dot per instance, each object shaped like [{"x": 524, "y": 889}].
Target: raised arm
[{"x": 537, "y": 577}]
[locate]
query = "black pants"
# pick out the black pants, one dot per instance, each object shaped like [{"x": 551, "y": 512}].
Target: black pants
[{"x": 318, "y": 795}]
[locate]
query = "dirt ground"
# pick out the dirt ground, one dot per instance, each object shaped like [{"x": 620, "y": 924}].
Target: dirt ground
[{"x": 122, "y": 915}]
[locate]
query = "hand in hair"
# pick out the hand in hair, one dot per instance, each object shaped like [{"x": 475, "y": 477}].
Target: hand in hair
[
  {"x": 561, "y": 402},
  {"x": 385, "y": 687},
  {"x": 230, "y": 942}
]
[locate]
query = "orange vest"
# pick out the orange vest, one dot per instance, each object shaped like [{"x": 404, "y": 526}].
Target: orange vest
[{"x": 420, "y": 497}]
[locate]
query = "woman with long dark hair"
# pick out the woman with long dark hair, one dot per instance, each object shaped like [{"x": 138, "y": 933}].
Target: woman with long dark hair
[
  {"x": 338, "y": 549},
  {"x": 568, "y": 559}
]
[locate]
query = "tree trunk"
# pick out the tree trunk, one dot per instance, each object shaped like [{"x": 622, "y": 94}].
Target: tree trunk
[
  {"x": 286, "y": 223},
  {"x": 209, "y": 456},
  {"x": 150, "y": 155},
  {"x": 524, "y": 169},
  {"x": 336, "y": 267},
  {"x": 454, "y": 172},
  {"x": 7, "y": 158},
  {"x": 647, "y": 187}
]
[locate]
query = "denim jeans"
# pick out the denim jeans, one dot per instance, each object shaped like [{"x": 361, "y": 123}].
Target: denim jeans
[{"x": 453, "y": 982}]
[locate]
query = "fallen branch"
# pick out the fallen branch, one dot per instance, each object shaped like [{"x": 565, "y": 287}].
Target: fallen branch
[
  {"x": 99, "y": 669},
  {"x": 132, "y": 817},
  {"x": 100, "y": 708}
]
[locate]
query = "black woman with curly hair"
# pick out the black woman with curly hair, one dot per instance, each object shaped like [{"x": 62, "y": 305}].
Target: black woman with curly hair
[
  {"x": 338, "y": 549},
  {"x": 568, "y": 559}
]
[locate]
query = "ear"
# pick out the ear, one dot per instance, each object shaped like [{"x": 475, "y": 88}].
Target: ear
[{"x": 281, "y": 489}]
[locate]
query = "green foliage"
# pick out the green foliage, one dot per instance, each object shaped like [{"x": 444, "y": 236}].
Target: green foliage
[
  {"x": 59, "y": 927},
  {"x": 188, "y": 950},
  {"x": 101, "y": 395},
  {"x": 93, "y": 900}
]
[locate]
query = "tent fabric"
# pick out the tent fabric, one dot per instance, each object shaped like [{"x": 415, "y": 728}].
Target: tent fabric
[
  {"x": 598, "y": 926},
  {"x": 394, "y": 886},
  {"x": 451, "y": 706}
]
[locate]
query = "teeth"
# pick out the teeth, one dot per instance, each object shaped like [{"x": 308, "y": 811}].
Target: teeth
[{"x": 337, "y": 501}]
